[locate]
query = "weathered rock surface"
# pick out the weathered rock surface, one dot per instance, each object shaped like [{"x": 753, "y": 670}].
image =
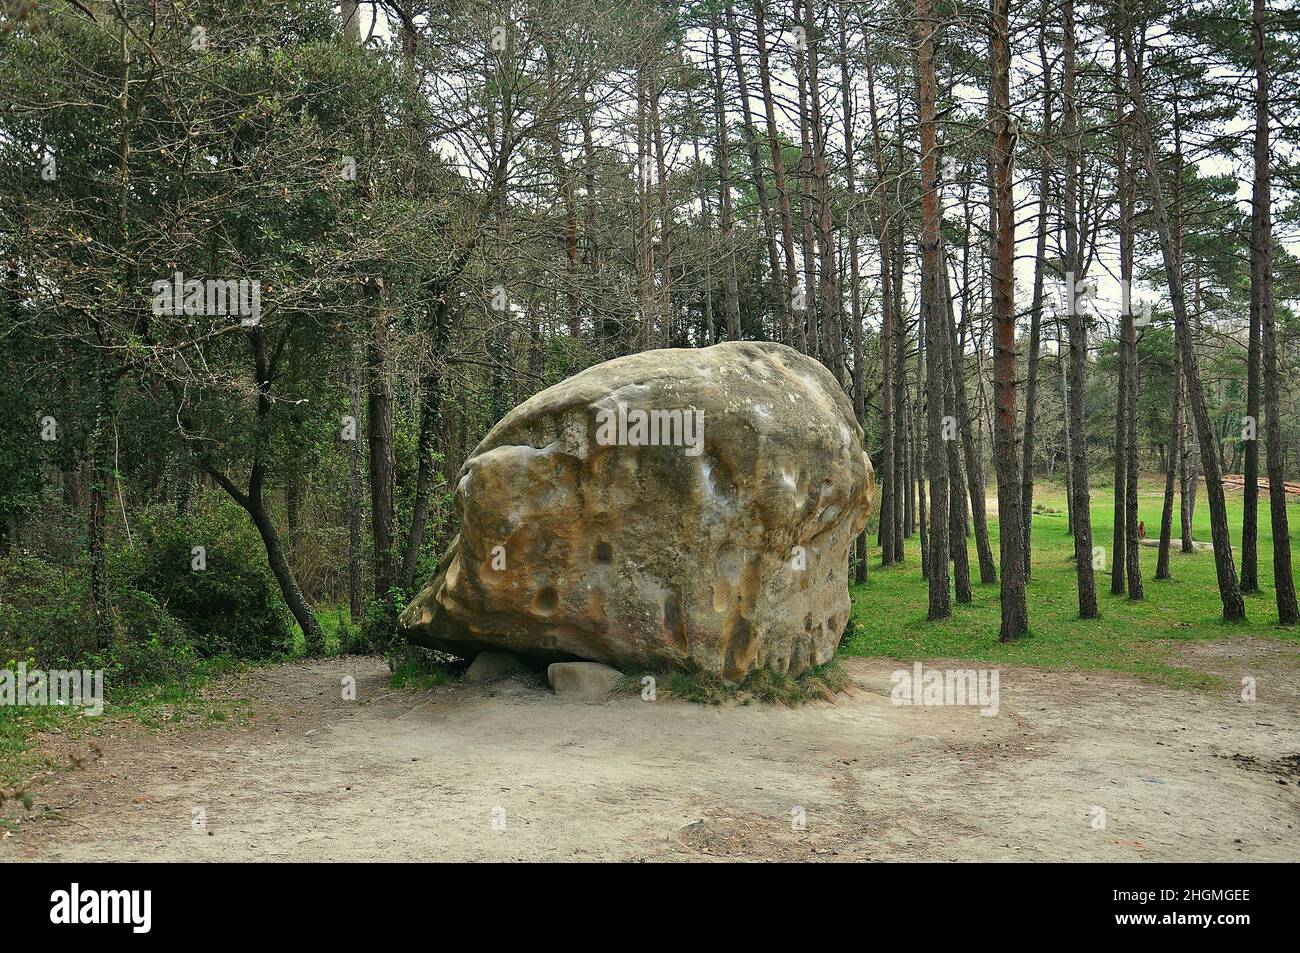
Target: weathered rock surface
[
  {"x": 582, "y": 681},
  {"x": 722, "y": 545}
]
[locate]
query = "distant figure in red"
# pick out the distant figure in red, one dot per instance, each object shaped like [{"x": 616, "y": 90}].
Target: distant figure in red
[{"x": 1142, "y": 529}]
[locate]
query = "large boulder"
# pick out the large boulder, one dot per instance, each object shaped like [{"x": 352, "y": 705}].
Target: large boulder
[{"x": 677, "y": 508}]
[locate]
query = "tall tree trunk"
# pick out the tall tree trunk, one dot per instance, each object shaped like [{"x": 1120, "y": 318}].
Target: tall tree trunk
[
  {"x": 957, "y": 515},
  {"x": 1078, "y": 336},
  {"x": 855, "y": 304},
  {"x": 1250, "y": 489},
  {"x": 1234, "y": 608},
  {"x": 383, "y": 464},
  {"x": 356, "y": 597},
  {"x": 830, "y": 331},
  {"x": 780, "y": 297},
  {"x": 919, "y": 467},
  {"x": 1015, "y": 611},
  {"x": 592, "y": 250},
  {"x": 102, "y": 475},
  {"x": 645, "y": 245},
  {"x": 667, "y": 310},
  {"x": 253, "y": 500},
  {"x": 284, "y": 575},
  {"x": 1128, "y": 350},
  {"x": 936, "y": 338},
  {"x": 904, "y": 503},
  {"x": 1036, "y": 310},
  {"x": 889, "y": 486},
  {"x": 1171, "y": 470},
  {"x": 1062, "y": 352},
  {"x": 799, "y": 340},
  {"x": 908, "y": 468},
  {"x": 1189, "y": 465},
  {"x": 1262, "y": 291},
  {"x": 706, "y": 221},
  {"x": 975, "y": 483},
  {"x": 431, "y": 389},
  {"x": 1120, "y": 473},
  {"x": 807, "y": 197},
  {"x": 731, "y": 293},
  {"x": 1118, "y": 563}
]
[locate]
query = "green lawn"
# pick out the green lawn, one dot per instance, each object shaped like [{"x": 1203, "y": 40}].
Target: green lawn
[{"x": 889, "y": 610}]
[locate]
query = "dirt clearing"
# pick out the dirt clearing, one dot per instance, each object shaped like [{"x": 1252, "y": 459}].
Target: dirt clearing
[{"x": 1074, "y": 766}]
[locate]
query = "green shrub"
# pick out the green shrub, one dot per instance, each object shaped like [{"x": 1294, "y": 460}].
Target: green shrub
[
  {"x": 43, "y": 612},
  {"x": 45, "y": 618},
  {"x": 152, "y": 646},
  {"x": 233, "y": 605}
]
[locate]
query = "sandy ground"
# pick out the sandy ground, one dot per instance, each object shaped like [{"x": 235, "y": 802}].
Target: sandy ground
[{"x": 509, "y": 772}]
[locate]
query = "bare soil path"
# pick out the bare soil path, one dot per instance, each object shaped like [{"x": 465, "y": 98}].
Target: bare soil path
[{"x": 509, "y": 772}]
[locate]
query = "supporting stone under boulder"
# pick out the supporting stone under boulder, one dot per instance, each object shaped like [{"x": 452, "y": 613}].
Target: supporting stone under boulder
[
  {"x": 582, "y": 681},
  {"x": 677, "y": 508}
]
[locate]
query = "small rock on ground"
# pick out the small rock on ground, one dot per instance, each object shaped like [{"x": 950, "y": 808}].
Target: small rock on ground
[
  {"x": 489, "y": 665},
  {"x": 582, "y": 681}
]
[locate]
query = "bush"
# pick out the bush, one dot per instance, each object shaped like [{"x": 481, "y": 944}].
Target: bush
[
  {"x": 232, "y": 605},
  {"x": 152, "y": 646},
  {"x": 43, "y": 612},
  {"x": 44, "y": 618}
]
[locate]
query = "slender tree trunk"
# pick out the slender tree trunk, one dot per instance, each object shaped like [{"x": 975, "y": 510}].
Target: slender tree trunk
[
  {"x": 723, "y": 150},
  {"x": 919, "y": 471},
  {"x": 645, "y": 252},
  {"x": 102, "y": 475},
  {"x": 780, "y": 297},
  {"x": 1189, "y": 462},
  {"x": 957, "y": 515},
  {"x": 1036, "y": 311},
  {"x": 1015, "y": 611},
  {"x": 1190, "y": 476},
  {"x": 807, "y": 200},
  {"x": 592, "y": 250},
  {"x": 907, "y": 459},
  {"x": 666, "y": 308},
  {"x": 356, "y": 597},
  {"x": 852, "y": 218},
  {"x": 430, "y": 430},
  {"x": 1118, "y": 563},
  {"x": 1078, "y": 337},
  {"x": 284, "y": 576},
  {"x": 936, "y": 338},
  {"x": 1171, "y": 470},
  {"x": 1062, "y": 352},
  {"x": 1262, "y": 291},
  {"x": 383, "y": 465},
  {"x": 904, "y": 503},
  {"x": 1128, "y": 351},
  {"x": 888, "y": 482},
  {"x": 1250, "y": 435},
  {"x": 799, "y": 339},
  {"x": 830, "y": 331},
  {"x": 706, "y": 221},
  {"x": 1234, "y": 607},
  {"x": 253, "y": 501},
  {"x": 975, "y": 483}
]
